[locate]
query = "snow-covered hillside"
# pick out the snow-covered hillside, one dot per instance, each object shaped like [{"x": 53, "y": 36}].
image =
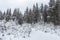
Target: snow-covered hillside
[{"x": 39, "y": 31}]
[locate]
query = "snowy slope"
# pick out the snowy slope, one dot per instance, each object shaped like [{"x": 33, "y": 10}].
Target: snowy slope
[
  {"x": 39, "y": 35},
  {"x": 35, "y": 35},
  {"x": 39, "y": 31}
]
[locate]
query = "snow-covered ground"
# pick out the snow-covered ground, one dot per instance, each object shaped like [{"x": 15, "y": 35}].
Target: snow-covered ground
[{"x": 39, "y": 31}]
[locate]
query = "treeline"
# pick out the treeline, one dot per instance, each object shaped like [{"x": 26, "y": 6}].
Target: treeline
[{"x": 47, "y": 13}]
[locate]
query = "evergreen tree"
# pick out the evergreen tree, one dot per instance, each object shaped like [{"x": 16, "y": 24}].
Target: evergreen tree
[
  {"x": 52, "y": 3},
  {"x": 1, "y": 15},
  {"x": 4, "y": 15},
  {"x": 51, "y": 11},
  {"x": 36, "y": 13},
  {"x": 41, "y": 12},
  {"x": 8, "y": 14},
  {"x": 57, "y": 12},
  {"x": 41, "y": 8},
  {"x": 18, "y": 16},
  {"x": 45, "y": 13},
  {"x": 16, "y": 13},
  {"x": 26, "y": 15},
  {"x": 30, "y": 16}
]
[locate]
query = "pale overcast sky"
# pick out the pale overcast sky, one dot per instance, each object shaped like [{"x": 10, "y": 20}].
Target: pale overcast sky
[{"x": 22, "y": 4}]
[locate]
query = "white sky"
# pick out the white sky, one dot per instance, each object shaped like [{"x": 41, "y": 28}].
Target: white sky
[{"x": 22, "y": 4}]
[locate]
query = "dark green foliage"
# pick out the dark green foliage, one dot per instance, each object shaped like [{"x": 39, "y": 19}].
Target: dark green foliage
[
  {"x": 20, "y": 19},
  {"x": 32, "y": 16},
  {"x": 49, "y": 14},
  {"x": 8, "y": 15},
  {"x": 7, "y": 18},
  {"x": 41, "y": 8},
  {"x": 18, "y": 16},
  {"x": 36, "y": 13},
  {"x": 57, "y": 13},
  {"x": 1, "y": 16},
  {"x": 45, "y": 13},
  {"x": 26, "y": 15}
]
